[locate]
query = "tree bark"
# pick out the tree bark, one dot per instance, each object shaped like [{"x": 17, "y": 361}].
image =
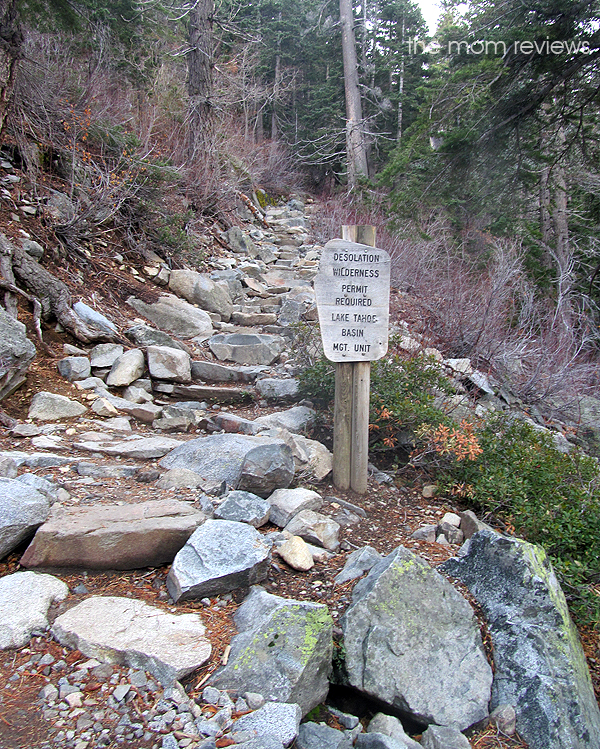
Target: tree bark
[
  {"x": 355, "y": 143},
  {"x": 200, "y": 78},
  {"x": 11, "y": 42}
]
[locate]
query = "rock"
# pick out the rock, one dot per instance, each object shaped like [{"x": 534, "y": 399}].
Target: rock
[
  {"x": 141, "y": 448},
  {"x": 296, "y": 554},
  {"x": 235, "y": 424},
  {"x": 179, "y": 478},
  {"x": 103, "y": 407},
  {"x": 169, "y": 364},
  {"x": 540, "y": 666},
  {"x": 277, "y": 389},
  {"x": 94, "y": 319},
  {"x": 48, "y": 488},
  {"x": 130, "y": 632},
  {"x": 470, "y": 524},
  {"x": 238, "y": 241},
  {"x": 217, "y": 458},
  {"x": 201, "y": 290},
  {"x": 90, "y": 383},
  {"x": 36, "y": 460},
  {"x": 144, "y": 335},
  {"x": 392, "y": 727},
  {"x": 264, "y": 742},
  {"x": 244, "y": 507},
  {"x": 137, "y": 394},
  {"x": 429, "y": 491},
  {"x": 126, "y": 369},
  {"x": 321, "y": 736},
  {"x": 504, "y": 718},
  {"x": 274, "y": 719},
  {"x": 25, "y": 430},
  {"x": 294, "y": 419},
  {"x": 250, "y": 319},
  {"x": 453, "y": 534},
  {"x": 315, "y": 528},
  {"x": 359, "y": 562},
  {"x": 266, "y": 468},
  {"x": 105, "y": 354},
  {"x": 246, "y": 348},
  {"x": 292, "y": 641},
  {"x": 316, "y": 459},
  {"x": 51, "y": 407},
  {"x": 32, "y": 248},
  {"x": 22, "y": 510},
  {"x": 74, "y": 368},
  {"x": 220, "y": 556},
  {"x": 175, "y": 316},
  {"x": 285, "y": 503},
  {"x": 425, "y": 533},
  {"x": 105, "y": 471},
  {"x": 213, "y": 372},
  {"x": 25, "y": 598},
  {"x": 290, "y": 313},
  {"x": 412, "y": 641},
  {"x": 444, "y": 737},
  {"x": 123, "y": 537},
  {"x": 379, "y": 741},
  {"x": 8, "y": 468},
  {"x": 451, "y": 518}
]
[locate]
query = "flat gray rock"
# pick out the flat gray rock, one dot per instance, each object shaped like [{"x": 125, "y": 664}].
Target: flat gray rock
[
  {"x": 285, "y": 503},
  {"x": 144, "y": 335},
  {"x": 208, "y": 371},
  {"x": 179, "y": 478},
  {"x": 392, "y": 727},
  {"x": 540, "y": 666},
  {"x": 220, "y": 556},
  {"x": 216, "y": 458},
  {"x": 292, "y": 642},
  {"x": 16, "y": 353},
  {"x": 94, "y": 319},
  {"x": 175, "y": 316},
  {"x": 381, "y": 741},
  {"x": 413, "y": 642},
  {"x": 244, "y": 507},
  {"x": 130, "y": 632},
  {"x": 266, "y": 468},
  {"x": 138, "y": 447},
  {"x": 22, "y": 510},
  {"x": 122, "y": 537},
  {"x": 275, "y": 719},
  {"x": 295, "y": 419},
  {"x": 51, "y": 407},
  {"x": 25, "y": 598},
  {"x": 247, "y": 348}
]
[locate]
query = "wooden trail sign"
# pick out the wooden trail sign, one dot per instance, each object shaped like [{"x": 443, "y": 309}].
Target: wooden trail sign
[{"x": 352, "y": 290}]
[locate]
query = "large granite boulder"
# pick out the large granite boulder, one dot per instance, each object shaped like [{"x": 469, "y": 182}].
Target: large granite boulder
[
  {"x": 129, "y": 632},
  {"x": 283, "y": 650},
  {"x": 413, "y": 642},
  {"x": 218, "y": 457},
  {"x": 247, "y": 348},
  {"x": 22, "y": 510},
  {"x": 201, "y": 290},
  {"x": 285, "y": 503},
  {"x": 244, "y": 507},
  {"x": 275, "y": 721},
  {"x": 266, "y": 468},
  {"x": 175, "y": 316},
  {"x": 540, "y": 667},
  {"x": 121, "y": 537},
  {"x": 25, "y": 598},
  {"x": 220, "y": 556}
]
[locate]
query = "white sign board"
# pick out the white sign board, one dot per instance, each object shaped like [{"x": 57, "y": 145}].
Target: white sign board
[{"x": 353, "y": 301}]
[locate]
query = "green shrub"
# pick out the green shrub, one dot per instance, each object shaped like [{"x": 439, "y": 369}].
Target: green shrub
[{"x": 548, "y": 497}]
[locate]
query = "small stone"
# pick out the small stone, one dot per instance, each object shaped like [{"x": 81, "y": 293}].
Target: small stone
[
  {"x": 296, "y": 554},
  {"x": 255, "y": 701},
  {"x": 429, "y": 491},
  {"x": 505, "y": 719}
]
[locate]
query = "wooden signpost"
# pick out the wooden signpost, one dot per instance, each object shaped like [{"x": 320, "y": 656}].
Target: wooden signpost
[{"x": 352, "y": 290}]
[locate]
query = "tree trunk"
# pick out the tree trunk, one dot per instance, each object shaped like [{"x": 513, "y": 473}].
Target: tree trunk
[
  {"x": 401, "y": 88},
  {"x": 200, "y": 78},
  {"x": 54, "y": 296},
  {"x": 355, "y": 142},
  {"x": 11, "y": 42}
]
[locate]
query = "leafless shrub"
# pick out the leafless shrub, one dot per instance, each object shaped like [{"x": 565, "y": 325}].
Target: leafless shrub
[{"x": 485, "y": 307}]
